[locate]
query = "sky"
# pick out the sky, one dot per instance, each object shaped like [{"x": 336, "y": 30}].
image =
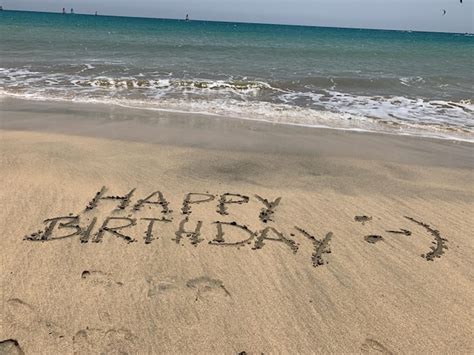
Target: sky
[{"x": 421, "y": 15}]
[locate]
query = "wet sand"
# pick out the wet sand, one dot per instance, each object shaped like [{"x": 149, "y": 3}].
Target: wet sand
[{"x": 202, "y": 234}]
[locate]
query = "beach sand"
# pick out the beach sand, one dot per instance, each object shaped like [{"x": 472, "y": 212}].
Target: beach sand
[{"x": 369, "y": 249}]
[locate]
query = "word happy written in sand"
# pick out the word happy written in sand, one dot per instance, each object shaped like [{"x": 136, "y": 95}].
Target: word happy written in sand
[{"x": 89, "y": 229}]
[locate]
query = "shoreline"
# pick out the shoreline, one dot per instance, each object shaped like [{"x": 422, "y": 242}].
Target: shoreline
[
  {"x": 217, "y": 132},
  {"x": 411, "y": 129}
]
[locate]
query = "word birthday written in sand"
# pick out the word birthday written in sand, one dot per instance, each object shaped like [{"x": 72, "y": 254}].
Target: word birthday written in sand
[{"x": 88, "y": 228}]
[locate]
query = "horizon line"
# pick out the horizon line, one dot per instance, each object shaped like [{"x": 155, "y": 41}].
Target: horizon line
[{"x": 237, "y": 22}]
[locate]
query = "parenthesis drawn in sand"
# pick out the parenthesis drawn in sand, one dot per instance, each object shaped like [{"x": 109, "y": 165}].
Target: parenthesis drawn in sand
[
  {"x": 439, "y": 242},
  {"x": 205, "y": 286},
  {"x": 22, "y": 315},
  {"x": 373, "y": 346},
  {"x": 104, "y": 341},
  {"x": 99, "y": 278},
  {"x": 10, "y": 347}
]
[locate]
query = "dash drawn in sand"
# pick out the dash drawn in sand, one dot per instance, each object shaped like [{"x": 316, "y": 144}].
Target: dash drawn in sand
[{"x": 401, "y": 231}]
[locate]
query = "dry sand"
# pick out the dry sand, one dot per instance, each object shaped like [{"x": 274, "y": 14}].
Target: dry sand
[{"x": 380, "y": 282}]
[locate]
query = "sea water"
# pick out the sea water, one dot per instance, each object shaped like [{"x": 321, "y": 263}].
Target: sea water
[{"x": 397, "y": 82}]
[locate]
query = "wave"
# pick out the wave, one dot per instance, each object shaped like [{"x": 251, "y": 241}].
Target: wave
[
  {"x": 247, "y": 99},
  {"x": 272, "y": 113},
  {"x": 133, "y": 83},
  {"x": 395, "y": 108}
]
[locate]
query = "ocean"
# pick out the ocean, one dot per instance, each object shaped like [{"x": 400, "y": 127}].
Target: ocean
[{"x": 411, "y": 83}]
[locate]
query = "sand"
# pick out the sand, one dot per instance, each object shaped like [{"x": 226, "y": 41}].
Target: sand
[{"x": 307, "y": 240}]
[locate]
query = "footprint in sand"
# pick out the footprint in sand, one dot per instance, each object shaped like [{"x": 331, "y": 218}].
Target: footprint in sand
[
  {"x": 99, "y": 278},
  {"x": 105, "y": 317},
  {"x": 10, "y": 347},
  {"x": 373, "y": 346},
  {"x": 104, "y": 341},
  {"x": 157, "y": 287},
  {"x": 21, "y": 314},
  {"x": 205, "y": 286}
]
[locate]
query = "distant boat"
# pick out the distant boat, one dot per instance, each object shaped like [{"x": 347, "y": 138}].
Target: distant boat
[
  {"x": 187, "y": 17},
  {"x": 72, "y": 11},
  {"x": 64, "y": 11}
]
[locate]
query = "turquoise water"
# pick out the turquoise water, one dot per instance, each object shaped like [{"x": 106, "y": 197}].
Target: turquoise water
[{"x": 401, "y": 82}]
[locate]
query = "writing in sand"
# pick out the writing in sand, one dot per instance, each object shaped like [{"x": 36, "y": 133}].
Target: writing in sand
[{"x": 87, "y": 226}]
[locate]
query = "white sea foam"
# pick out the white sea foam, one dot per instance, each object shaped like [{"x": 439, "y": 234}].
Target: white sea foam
[
  {"x": 255, "y": 100},
  {"x": 86, "y": 68},
  {"x": 408, "y": 81},
  {"x": 268, "y": 112}
]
